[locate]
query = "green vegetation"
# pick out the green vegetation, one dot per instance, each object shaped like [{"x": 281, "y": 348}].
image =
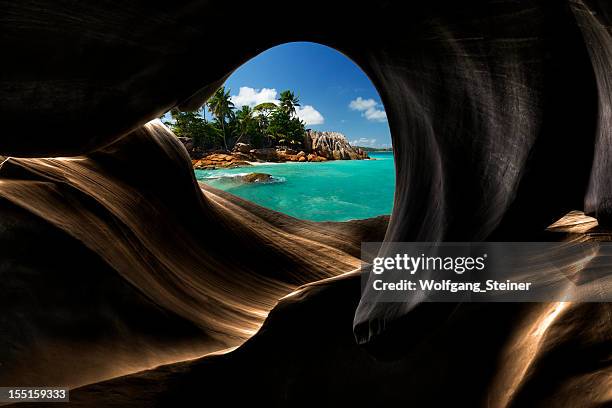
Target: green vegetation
[
  {"x": 193, "y": 125},
  {"x": 265, "y": 125},
  {"x": 222, "y": 109}
]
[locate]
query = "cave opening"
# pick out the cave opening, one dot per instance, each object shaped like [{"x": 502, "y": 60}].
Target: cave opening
[{"x": 298, "y": 129}]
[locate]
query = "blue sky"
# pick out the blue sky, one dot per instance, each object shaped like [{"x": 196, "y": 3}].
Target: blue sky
[{"x": 334, "y": 93}]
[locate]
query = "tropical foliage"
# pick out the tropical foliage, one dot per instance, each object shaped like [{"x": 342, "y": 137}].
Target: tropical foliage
[
  {"x": 264, "y": 125},
  {"x": 204, "y": 134},
  {"x": 222, "y": 108}
]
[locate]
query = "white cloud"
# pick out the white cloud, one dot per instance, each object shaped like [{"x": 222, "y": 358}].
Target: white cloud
[
  {"x": 309, "y": 115},
  {"x": 251, "y": 96},
  {"x": 364, "y": 142},
  {"x": 376, "y": 115},
  {"x": 369, "y": 108},
  {"x": 361, "y": 104}
]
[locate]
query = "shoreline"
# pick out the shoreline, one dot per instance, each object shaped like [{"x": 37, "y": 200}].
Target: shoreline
[
  {"x": 248, "y": 164},
  {"x": 218, "y": 161},
  {"x": 265, "y": 163},
  {"x": 315, "y": 147}
]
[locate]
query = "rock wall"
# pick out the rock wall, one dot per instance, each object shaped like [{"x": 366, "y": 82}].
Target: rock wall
[
  {"x": 107, "y": 222},
  {"x": 499, "y": 115}
]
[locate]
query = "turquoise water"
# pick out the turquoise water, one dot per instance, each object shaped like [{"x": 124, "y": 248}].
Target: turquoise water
[{"x": 338, "y": 190}]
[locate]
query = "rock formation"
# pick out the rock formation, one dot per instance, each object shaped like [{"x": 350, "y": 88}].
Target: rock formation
[
  {"x": 318, "y": 147},
  {"x": 256, "y": 178},
  {"x": 500, "y": 120},
  {"x": 139, "y": 263},
  {"x": 332, "y": 146},
  {"x": 219, "y": 161}
]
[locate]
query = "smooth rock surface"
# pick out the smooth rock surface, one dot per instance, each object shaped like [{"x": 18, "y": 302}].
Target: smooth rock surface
[{"x": 332, "y": 145}]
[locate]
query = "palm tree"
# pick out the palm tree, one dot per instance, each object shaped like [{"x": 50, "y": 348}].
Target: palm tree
[
  {"x": 265, "y": 107},
  {"x": 288, "y": 102},
  {"x": 221, "y": 107},
  {"x": 246, "y": 121},
  {"x": 264, "y": 111}
]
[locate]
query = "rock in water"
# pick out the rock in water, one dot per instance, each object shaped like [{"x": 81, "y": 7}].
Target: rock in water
[
  {"x": 256, "y": 178},
  {"x": 332, "y": 146}
]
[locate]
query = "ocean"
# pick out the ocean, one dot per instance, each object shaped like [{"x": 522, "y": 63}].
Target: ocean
[{"x": 339, "y": 190}]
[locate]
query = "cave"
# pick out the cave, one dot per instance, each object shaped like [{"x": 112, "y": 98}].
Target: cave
[
  {"x": 298, "y": 129},
  {"x": 127, "y": 283}
]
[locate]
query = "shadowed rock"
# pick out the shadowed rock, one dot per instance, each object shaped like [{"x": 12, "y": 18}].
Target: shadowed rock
[{"x": 500, "y": 121}]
